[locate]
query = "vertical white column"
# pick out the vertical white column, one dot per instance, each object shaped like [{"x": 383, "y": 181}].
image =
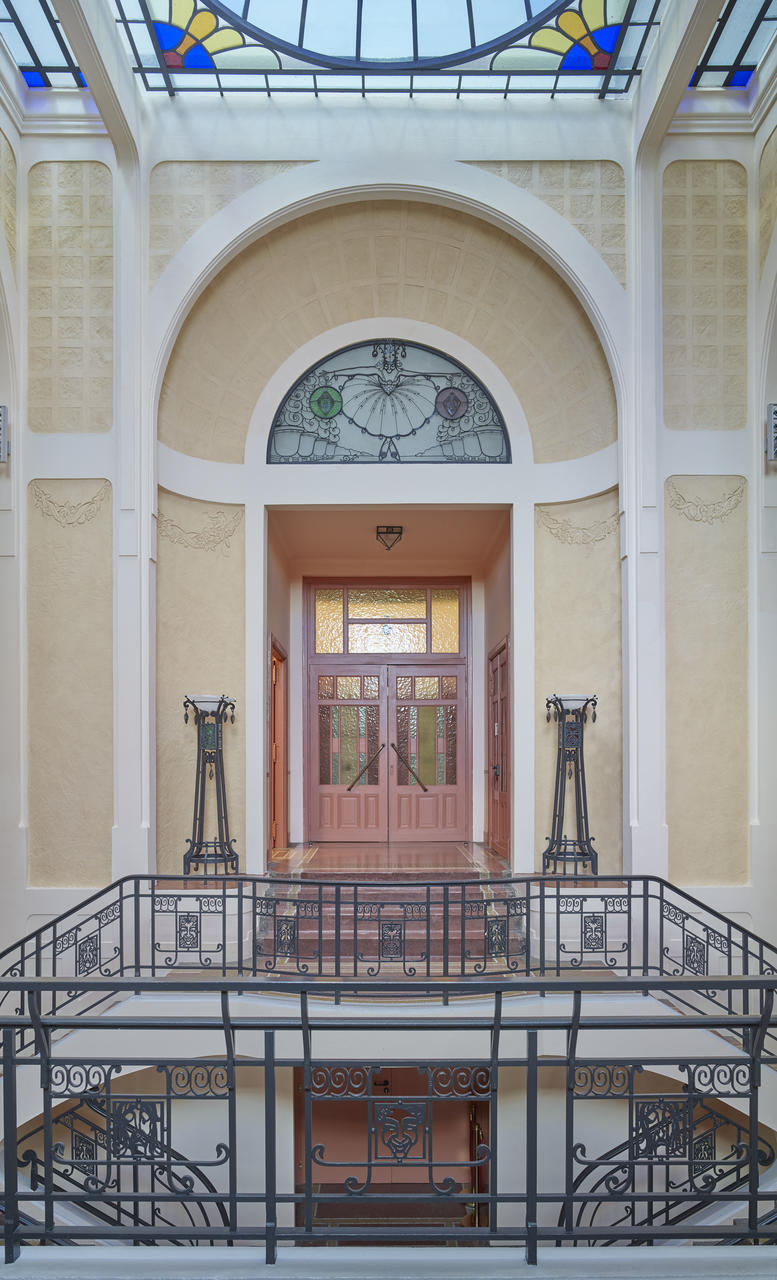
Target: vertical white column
[
  {"x": 256, "y": 710},
  {"x": 645, "y": 830},
  {"x": 522, "y": 703},
  {"x": 13, "y": 816},
  {"x": 134, "y": 553}
]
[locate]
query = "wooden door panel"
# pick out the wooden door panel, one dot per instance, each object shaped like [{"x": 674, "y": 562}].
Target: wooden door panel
[
  {"x": 347, "y": 761},
  {"x": 428, "y": 765}
]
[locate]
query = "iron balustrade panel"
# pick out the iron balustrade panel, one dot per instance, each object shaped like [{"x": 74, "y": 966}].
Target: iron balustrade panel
[
  {"x": 130, "y": 1145},
  {"x": 533, "y": 926}
]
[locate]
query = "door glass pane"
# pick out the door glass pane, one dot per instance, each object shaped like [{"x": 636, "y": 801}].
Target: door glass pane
[
  {"x": 427, "y": 745},
  {"x": 388, "y": 637},
  {"x": 404, "y": 686},
  {"x": 373, "y": 726},
  {"x": 324, "y": 745},
  {"x": 427, "y": 687},
  {"x": 450, "y": 746},
  {"x": 403, "y": 745},
  {"x": 387, "y": 602},
  {"x": 449, "y": 686},
  {"x": 326, "y": 686},
  {"x": 329, "y": 620},
  {"x": 349, "y": 686},
  {"x": 445, "y": 620},
  {"x": 349, "y": 744},
  {"x": 371, "y": 686}
]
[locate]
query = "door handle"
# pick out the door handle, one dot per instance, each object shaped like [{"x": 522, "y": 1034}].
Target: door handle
[
  {"x": 365, "y": 768},
  {"x": 408, "y": 765}
]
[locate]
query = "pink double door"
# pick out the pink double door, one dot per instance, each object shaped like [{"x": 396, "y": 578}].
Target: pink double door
[{"x": 388, "y": 752}]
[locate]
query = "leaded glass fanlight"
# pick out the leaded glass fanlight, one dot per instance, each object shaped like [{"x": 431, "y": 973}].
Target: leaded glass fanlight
[{"x": 388, "y": 401}]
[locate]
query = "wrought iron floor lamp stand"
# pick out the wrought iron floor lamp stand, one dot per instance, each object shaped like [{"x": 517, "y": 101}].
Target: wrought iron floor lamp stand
[
  {"x": 210, "y": 715},
  {"x": 571, "y": 714}
]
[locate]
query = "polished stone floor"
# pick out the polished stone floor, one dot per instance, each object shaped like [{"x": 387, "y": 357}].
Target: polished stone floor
[{"x": 417, "y": 860}]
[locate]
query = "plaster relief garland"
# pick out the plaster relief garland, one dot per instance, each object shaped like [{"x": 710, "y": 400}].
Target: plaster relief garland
[
  {"x": 69, "y": 513},
  {"x": 216, "y": 533},
  {"x": 578, "y": 535},
  {"x": 708, "y": 512}
]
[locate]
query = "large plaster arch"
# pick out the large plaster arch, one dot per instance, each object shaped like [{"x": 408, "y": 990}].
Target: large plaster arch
[
  {"x": 449, "y": 184},
  {"x": 418, "y": 260}
]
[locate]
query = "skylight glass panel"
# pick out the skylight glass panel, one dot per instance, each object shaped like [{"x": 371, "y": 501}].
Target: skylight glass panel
[
  {"x": 442, "y": 25},
  {"x": 35, "y": 40},
  {"x": 743, "y": 34},
  {"x": 330, "y": 27},
  {"x": 387, "y": 31}
]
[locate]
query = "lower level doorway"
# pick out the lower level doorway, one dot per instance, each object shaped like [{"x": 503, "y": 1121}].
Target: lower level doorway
[{"x": 388, "y": 751}]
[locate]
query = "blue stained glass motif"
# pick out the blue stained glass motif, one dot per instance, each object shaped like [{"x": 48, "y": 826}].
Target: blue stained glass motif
[
  {"x": 34, "y": 80},
  {"x": 388, "y": 401}
]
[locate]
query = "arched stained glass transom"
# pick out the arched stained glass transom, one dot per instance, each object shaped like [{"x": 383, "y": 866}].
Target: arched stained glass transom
[{"x": 388, "y": 401}]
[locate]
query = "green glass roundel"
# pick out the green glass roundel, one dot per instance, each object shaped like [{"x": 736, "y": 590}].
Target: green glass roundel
[{"x": 326, "y": 402}]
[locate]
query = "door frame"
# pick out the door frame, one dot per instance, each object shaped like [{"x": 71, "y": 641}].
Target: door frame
[{"x": 368, "y": 660}]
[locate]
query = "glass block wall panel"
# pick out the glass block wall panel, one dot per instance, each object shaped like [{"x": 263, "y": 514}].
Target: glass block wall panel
[
  {"x": 445, "y": 620},
  {"x": 329, "y": 620},
  {"x": 387, "y": 602},
  {"x": 395, "y": 637}
]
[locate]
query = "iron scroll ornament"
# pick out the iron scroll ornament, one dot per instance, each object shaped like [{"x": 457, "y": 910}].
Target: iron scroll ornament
[{"x": 388, "y": 401}]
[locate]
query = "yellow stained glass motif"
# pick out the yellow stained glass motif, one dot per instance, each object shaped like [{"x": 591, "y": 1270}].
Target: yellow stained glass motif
[
  {"x": 445, "y": 620},
  {"x": 427, "y": 745},
  {"x": 427, "y": 686},
  {"x": 387, "y": 602},
  {"x": 394, "y": 637},
  {"x": 349, "y": 744},
  {"x": 329, "y": 620},
  {"x": 349, "y": 686}
]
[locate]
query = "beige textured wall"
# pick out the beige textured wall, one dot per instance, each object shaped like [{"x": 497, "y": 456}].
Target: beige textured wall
[
  {"x": 8, "y": 195},
  {"x": 705, "y": 295},
  {"x": 70, "y": 296},
  {"x": 707, "y": 679},
  {"x": 591, "y": 194},
  {"x": 767, "y": 197},
  {"x": 70, "y": 681},
  {"x": 200, "y": 649},
  {"x": 577, "y": 636},
  {"x": 387, "y": 258},
  {"x": 184, "y": 196}
]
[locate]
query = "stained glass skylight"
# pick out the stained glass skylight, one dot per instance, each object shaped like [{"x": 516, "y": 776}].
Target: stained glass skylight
[
  {"x": 407, "y": 46},
  {"x": 504, "y": 47}
]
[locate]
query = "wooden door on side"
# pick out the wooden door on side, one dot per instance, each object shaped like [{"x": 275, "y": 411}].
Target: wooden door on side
[{"x": 499, "y": 751}]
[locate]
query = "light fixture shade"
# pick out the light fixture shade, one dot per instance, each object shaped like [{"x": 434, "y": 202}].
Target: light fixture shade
[{"x": 388, "y": 535}]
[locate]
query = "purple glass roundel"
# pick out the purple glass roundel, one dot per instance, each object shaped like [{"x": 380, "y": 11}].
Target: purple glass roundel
[{"x": 451, "y": 403}]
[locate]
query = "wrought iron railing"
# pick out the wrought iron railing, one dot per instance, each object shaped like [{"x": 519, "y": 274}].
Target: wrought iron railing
[
  {"x": 673, "y": 1144},
  {"x": 106, "y": 1147},
  {"x": 570, "y": 1066},
  {"x": 420, "y": 932}
]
